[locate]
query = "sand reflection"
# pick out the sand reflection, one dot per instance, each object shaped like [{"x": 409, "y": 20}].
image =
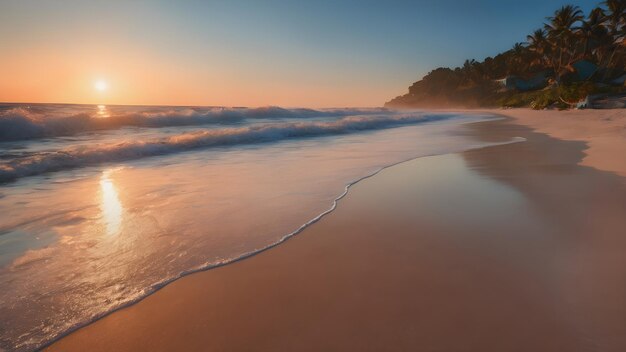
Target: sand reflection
[{"x": 110, "y": 205}]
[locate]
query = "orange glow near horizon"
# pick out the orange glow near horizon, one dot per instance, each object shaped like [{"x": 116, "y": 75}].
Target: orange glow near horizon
[
  {"x": 132, "y": 80},
  {"x": 59, "y": 58},
  {"x": 102, "y": 112}
]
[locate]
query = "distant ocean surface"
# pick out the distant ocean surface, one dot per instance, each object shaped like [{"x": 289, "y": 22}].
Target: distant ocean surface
[{"x": 102, "y": 205}]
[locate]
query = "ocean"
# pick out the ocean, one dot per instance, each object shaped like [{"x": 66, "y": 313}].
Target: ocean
[{"x": 102, "y": 205}]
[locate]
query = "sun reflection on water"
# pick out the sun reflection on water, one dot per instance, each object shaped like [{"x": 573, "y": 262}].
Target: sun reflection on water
[
  {"x": 110, "y": 204},
  {"x": 103, "y": 112}
]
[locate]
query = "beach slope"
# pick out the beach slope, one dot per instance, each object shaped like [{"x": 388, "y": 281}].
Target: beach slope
[{"x": 510, "y": 247}]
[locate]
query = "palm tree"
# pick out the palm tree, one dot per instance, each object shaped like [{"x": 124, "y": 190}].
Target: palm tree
[
  {"x": 616, "y": 18},
  {"x": 594, "y": 34},
  {"x": 564, "y": 19},
  {"x": 518, "y": 61},
  {"x": 538, "y": 44},
  {"x": 561, "y": 34}
]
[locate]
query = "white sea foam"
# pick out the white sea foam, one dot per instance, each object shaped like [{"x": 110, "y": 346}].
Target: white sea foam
[
  {"x": 24, "y": 122},
  {"x": 42, "y": 162},
  {"x": 66, "y": 268}
]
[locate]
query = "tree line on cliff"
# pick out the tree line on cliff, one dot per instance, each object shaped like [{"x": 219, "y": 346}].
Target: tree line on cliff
[{"x": 570, "y": 58}]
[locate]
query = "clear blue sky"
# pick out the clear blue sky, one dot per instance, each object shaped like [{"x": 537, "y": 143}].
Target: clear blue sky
[{"x": 292, "y": 53}]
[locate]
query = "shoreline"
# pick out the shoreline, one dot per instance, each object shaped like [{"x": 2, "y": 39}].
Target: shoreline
[
  {"x": 248, "y": 255},
  {"x": 106, "y": 329},
  {"x": 285, "y": 238},
  {"x": 604, "y": 130}
]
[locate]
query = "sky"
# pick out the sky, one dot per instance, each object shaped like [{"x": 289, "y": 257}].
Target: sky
[{"x": 320, "y": 53}]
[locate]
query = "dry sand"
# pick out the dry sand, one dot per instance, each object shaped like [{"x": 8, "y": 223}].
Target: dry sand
[
  {"x": 603, "y": 130},
  {"x": 507, "y": 248}
]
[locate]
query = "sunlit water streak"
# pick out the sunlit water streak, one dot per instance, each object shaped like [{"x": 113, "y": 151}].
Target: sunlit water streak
[
  {"x": 83, "y": 241},
  {"x": 110, "y": 204},
  {"x": 103, "y": 112}
]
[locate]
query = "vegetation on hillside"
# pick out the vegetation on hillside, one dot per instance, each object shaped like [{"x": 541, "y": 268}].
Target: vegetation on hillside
[{"x": 571, "y": 57}]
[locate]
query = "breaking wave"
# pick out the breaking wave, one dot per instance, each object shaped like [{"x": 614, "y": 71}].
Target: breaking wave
[
  {"x": 23, "y": 123},
  {"x": 42, "y": 162}
]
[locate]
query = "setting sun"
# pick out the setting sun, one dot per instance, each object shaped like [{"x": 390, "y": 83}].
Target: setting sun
[
  {"x": 292, "y": 175},
  {"x": 101, "y": 85}
]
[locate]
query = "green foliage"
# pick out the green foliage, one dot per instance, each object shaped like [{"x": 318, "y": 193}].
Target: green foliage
[
  {"x": 547, "y": 98},
  {"x": 537, "y": 99},
  {"x": 518, "y": 100},
  {"x": 576, "y": 92},
  {"x": 560, "y": 97},
  {"x": 567, "y": 38}
]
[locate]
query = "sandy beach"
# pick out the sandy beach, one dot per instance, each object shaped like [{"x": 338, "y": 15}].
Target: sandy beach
[
  {"x": 604, "y": 132},
  {"x": 434, "y": 176},
  {"x": 517, "y": 247}
]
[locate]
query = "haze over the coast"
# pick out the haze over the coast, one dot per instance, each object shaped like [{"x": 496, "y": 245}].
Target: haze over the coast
[
  {"x": 238, "y": 176},
  {"x": 247, "y": 53}
]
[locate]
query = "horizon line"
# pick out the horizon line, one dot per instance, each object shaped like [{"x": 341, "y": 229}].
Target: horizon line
[{"x": 198, "y": 106}]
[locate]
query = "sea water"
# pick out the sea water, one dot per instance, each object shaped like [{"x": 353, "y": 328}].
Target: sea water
[{"x": 102, "y": 205}]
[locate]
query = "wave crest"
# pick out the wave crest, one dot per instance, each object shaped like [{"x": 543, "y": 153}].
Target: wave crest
[
  {"x": 23, "y": 123},
  {"x": 39, "y": 163}
]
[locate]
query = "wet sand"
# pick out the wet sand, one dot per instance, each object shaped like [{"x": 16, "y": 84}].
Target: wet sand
[
  {"x": 506, "y": 248},
  {"x": 604, "y": 131}
]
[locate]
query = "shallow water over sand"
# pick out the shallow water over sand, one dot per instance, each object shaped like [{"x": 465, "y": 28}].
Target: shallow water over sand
[
  {"x": 511, "y": 247},
  {"x": 81, "y": 242}
]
